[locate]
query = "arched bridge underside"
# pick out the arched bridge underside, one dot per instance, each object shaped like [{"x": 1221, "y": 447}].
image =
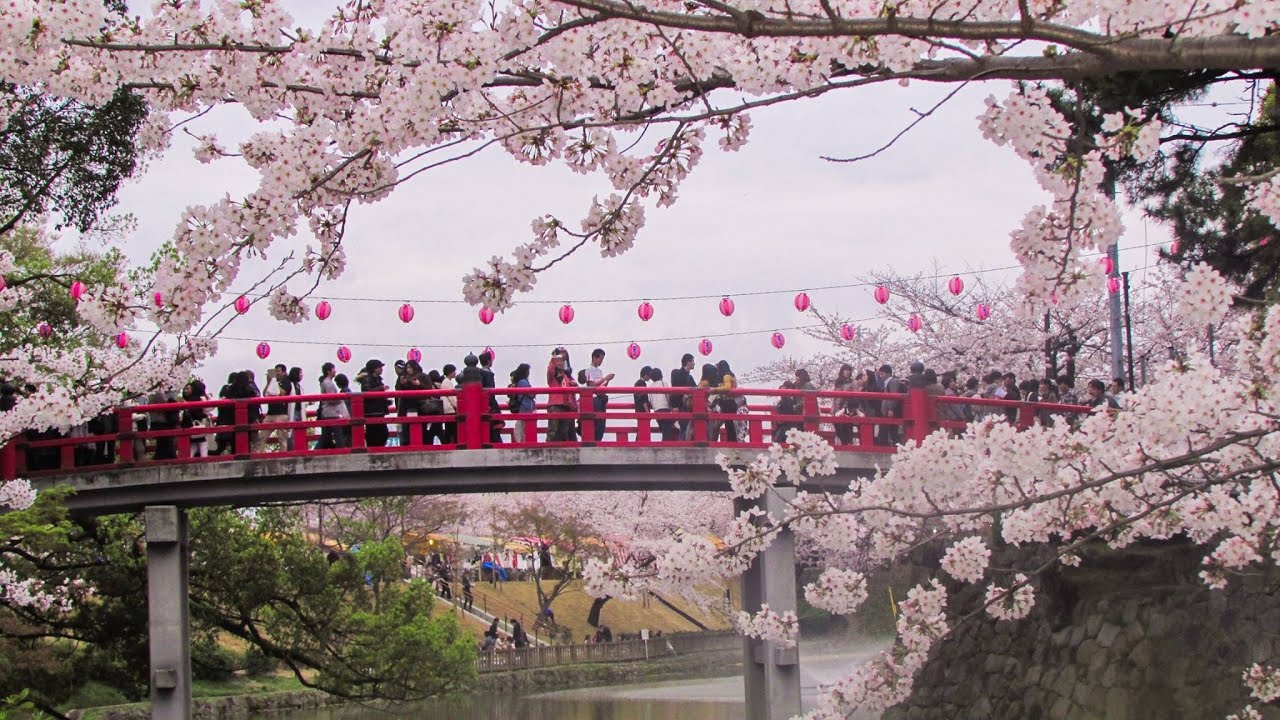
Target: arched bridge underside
[{"x": 267, "y": 480}]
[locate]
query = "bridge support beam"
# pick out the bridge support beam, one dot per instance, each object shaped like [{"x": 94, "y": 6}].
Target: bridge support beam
[
  {"x": 771, "y": 671},
  {"x": 168, "y": 612}
]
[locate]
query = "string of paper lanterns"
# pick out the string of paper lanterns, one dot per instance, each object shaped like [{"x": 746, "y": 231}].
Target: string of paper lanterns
[{"x": 645, "y": 311}]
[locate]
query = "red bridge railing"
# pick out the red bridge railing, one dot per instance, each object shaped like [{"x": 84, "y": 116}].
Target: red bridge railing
[{"x": 149, "y": 435}]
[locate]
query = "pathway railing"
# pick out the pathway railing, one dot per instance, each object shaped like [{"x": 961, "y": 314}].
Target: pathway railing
[
  {"x": 617, "y": 651},
  {"x": 416, "y": 421}
]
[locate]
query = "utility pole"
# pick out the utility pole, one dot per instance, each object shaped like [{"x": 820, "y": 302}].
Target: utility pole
[
  {"x": 1128, "y": 329},
  {"x": 1113, "y": 299}
]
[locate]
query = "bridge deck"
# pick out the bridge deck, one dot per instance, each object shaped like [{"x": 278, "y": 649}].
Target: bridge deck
[{"x": 440, "y": 472}]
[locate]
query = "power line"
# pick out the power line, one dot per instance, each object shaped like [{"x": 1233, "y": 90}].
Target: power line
[{"x": 670, "y": 298}]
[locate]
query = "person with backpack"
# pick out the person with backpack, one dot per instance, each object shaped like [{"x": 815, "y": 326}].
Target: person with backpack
[{"x": 522, "y": 403}]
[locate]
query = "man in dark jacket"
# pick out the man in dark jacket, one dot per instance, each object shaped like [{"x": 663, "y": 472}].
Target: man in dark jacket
[
  {"x": 683, "y": 377},
  {"x": 370, "y": 380}
]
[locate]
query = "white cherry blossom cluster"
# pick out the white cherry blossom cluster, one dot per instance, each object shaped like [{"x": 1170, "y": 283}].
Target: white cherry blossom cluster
[
  {"x": 1205, "y": 296},
  {"x": 1263, "y": 682},
  {"x": 768, "y": 625},
  {"x": 966, "y": 560},
  {"x": 17, "y": 494},
  {"x": 837, "y": 591},
  {"x": 1011, "y": 603}
]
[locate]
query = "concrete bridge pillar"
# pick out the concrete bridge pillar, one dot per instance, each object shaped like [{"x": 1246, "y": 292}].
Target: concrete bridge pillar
[
  {"x": 168, "y": 612},
  {"x": 771, "y": 672}
]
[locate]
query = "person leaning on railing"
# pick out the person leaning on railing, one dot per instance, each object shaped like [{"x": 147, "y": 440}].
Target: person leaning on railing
[{"x": 522, "y": 404}]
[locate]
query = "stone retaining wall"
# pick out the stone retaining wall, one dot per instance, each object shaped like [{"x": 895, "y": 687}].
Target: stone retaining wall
[{"x": 1131, "y": 635}]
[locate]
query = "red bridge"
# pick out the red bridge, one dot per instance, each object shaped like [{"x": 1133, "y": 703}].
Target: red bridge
[{"x": 618, "y": 448}]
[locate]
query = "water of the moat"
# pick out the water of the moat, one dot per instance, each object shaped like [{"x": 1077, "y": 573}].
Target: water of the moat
[{"x": 712, "y": 699}]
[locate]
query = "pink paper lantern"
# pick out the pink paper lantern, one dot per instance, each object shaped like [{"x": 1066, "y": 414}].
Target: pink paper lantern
[
  {"x": 914, "y": 323},
  {"x": 159, "y": 300},
  {"x": 122, "y": 340},
  {"x": 323, "y": 310},
  {"x": 45, "y": 330},
  {"x": 486, "y": 315},
  {"x": 3, "y": 285},
  {"x": 406, "y": 313},
  {"x": 704, "y": 347},
  {"x": 955, "y": 285},
  {"x": 263, "y": 350},
  {"x": 726, "y": 307},
  {"x": 778, "y": 340},
  {"x": 1053, "y": 298},
  {"x": 633, "y": 351},
  {"x": 848, "y": 332},
  {"x": 881, "y": 294},
  {"x": 982, "y": 312},
  {"x": 414, "y": 355},
  {"x": 242, "y": 304},
  {"x": 1113, "y": 284},
  {"x": 1107, "y": 265},
  {"x": 566, "y": 314},
  {"x": 77, "y": 290},
  {"x": 344, "y": 354},
  {"x": 492, "y": 355},
  {"x": 1264, "y": 241},
  {"x": 645, "y": 311},
  {"x": 1174, "y": 247},
  {"x": 802, "y": 301}
]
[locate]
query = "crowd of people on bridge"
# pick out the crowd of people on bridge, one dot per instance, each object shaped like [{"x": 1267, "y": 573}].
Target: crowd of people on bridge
[{"x": 271, "y": 416}]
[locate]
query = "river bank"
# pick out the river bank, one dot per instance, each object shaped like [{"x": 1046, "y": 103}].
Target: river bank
[{"x": 706, "y": 664}]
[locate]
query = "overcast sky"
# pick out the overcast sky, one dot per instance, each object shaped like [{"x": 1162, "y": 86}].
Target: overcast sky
[{"x": 773, "y": 216}]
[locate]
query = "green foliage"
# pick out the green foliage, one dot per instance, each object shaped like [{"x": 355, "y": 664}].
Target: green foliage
[
  {"x": 210, "y": 661},
  {"x": 18, "y": 705},
  {"x": 256, "y": 578},
  {"x": 255, "y": 663},
  {"x": 1183, "y": 187},
  {"x": 65, "y": 157},
  {"x": 1211, "y": 220},
  {"x": 95, "y": 694},
  {"x": 402, "y": 632}
]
